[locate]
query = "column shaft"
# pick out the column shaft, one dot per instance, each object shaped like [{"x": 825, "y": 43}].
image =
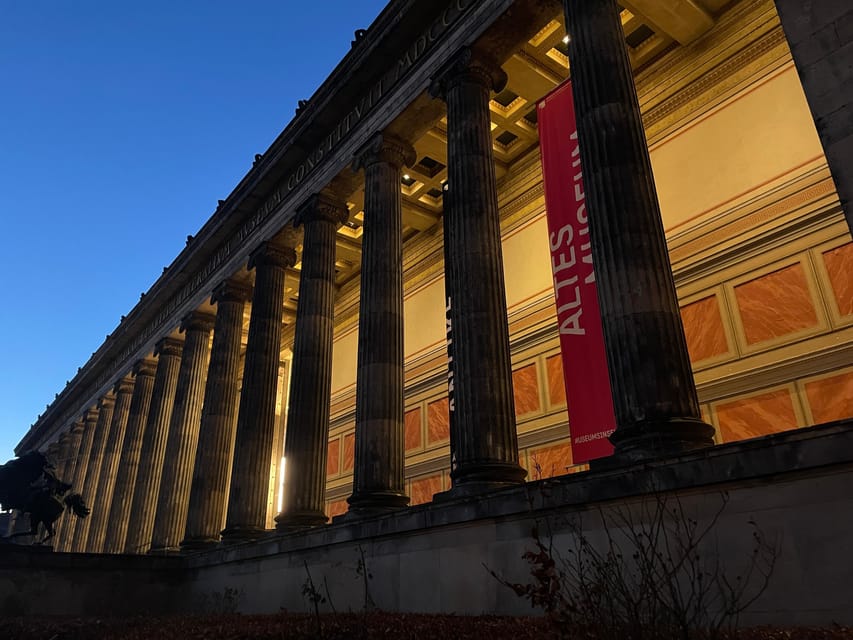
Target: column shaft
[
  {"x": 64, "y": 526},
  {"x": 379, "y": 473},
  {"x": 93, "y": 473},
  {"x": 311, "y": 378},
  {"x": 131, "y": 449},
  {"x": 247, "y": 500},
  {"x": 109, "y": 464},
  {"x": 654, "y": 396},
  {"x": 484, "y": 448},
  {"x": 83, "y": 458},
  {"x": 209, "y": 487},
  {"x": 173, "y": 501},
  {"x": 819, "y": 36},
  {"x": 146, "y": 491},
  {"x": 63, "y": 456}
]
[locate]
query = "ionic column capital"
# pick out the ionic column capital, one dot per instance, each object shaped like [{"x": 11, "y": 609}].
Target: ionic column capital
[
  {"x": 322, "y": 206},
  {"x": 91, "y": 415},
  {"x": 124, "y": 385},
  {"x": 468, "y": 65},
  {"x": 198, "y": 321},
  {"x": 382, "y": 147},
  {"x": 231, "y": 290},
  {"x": 274, "y": 254},
  {"x": 169, "y": 347},
  {"x": 145, "y": 367},
  {"x": 107, "y": 402}
]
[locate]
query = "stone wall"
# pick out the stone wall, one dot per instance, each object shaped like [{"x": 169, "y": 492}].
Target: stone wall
[{"x": 434, "y": 557}]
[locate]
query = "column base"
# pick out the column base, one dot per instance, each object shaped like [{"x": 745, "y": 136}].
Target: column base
[
  {"x": 660, "y": 439},
  {"x": 199, "y": 544},
  {"x": 235, "y": 535},
  {"x": 496, "y": 474},
  {"x": 164, "y": 551},
  {"x": 374, "y": 503},
  {"x": 294, "y": 521}
]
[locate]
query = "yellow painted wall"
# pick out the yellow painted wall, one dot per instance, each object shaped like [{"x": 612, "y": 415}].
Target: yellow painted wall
[
  {"x": 754, "y": 137},
  {"x": 344, "y": 360},
  {"x": 527, "y": 264},
  {"x": 423, "y": 313}
]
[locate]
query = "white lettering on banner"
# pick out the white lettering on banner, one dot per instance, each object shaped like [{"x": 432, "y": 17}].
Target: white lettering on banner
[
  {"x": 449, "y": 329},
  {"x": 569, "y": 302},
  {"x": 580, "y": 198},
  {"x": 590, "y": 437}
]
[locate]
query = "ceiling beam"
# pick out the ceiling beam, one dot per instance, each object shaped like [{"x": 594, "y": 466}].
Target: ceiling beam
[{"x": 681, "y": 20}]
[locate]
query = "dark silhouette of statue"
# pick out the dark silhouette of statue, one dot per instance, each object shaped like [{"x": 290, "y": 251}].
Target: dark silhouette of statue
[{"x": 29, "y": 485}]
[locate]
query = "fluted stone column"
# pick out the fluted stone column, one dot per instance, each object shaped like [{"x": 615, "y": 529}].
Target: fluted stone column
[
  {"x": 173, "y": 501},
  {"x": 109, "y": 464},
  {"x": 144, "y": 506},
  {"x": 379, "y": 482},
  {"x": 91, "y": 482},
  {"x": 654, "y": 396},
  {"x": 209, "y": 487},
  {"x": 64, "y": 526},
  {"x": 90, "y": 419},
  {"x": 61, "y": 462},
  {"x": 250, "y": 477},
  {"x": 63, "y": 456},
  {"x": 53, "y": 458},
  {"x": 131, "y": 450},
  {"x": 52, "y": 455},
  {"x": 311, "y": 377},
  {"x": 483, "y": 441}
]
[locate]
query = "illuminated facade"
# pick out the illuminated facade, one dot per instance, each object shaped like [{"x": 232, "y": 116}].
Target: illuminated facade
[{"x": 293, "y": 357}]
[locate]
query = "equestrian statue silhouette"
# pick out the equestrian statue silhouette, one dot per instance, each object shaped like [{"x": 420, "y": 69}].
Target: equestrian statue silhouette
[{"x": 29, "y": 485}]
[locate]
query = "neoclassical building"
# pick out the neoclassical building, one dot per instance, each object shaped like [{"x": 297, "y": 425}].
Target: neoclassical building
[{"x": 367, "y": 322}]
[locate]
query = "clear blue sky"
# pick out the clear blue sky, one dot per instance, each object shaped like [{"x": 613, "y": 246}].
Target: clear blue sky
[{"x": 121, "y": 125}]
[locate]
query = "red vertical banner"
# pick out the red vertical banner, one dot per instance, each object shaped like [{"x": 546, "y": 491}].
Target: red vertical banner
[{"x": 590, "y": 405}]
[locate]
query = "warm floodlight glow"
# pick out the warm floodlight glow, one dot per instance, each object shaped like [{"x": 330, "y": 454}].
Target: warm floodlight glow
[
  {"x": 281, "y": 486},
  {"x": 566, "y": 39}
]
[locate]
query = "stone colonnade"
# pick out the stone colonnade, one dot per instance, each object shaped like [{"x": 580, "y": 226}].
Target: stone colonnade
[{"x": 178, "y": 458}]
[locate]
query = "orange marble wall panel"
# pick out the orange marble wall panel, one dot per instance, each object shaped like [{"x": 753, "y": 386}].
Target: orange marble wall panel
[
  {"x": 776, "y": 304},
  {"x": 758, "y": 415},
  {"x": 349, "y": 451},
  {"x": 703, "y": 328},
  {"x": 525, "y": 386},
  {"x": 549, "y": 461},
  {"x": 333, "y": 457},
  {"x": 423, "y": 489},
  {"x": 336, "y": 508},
  {"x": 839, "y": 266},
  {"x": 556, "y": 381},
  {"x": 413, "y": 429},
  {"x": 438, "y": 421},
  {"x": 831, "y": 398}
]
